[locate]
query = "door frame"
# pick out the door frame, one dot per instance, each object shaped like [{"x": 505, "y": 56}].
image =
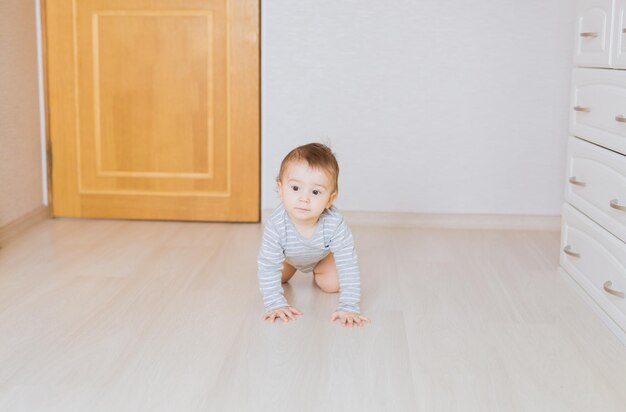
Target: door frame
[{"x": 46, "y": 111}]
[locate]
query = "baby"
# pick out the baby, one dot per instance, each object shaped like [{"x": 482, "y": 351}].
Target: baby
[{"x": 307, "y": 233}]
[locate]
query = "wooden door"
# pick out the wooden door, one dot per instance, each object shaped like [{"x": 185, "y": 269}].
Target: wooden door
[{"x": 154, "y": 108}]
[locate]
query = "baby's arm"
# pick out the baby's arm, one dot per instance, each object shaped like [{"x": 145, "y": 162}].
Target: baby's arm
[
  {"x": 342, "y": 246},
  {"x": 270, "y": 265}
]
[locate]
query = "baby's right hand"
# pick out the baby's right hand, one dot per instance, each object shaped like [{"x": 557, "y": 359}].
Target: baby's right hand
[{"x": 285, "y": 314}]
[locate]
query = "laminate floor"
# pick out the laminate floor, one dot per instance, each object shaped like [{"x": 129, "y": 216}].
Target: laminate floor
[{"x": 106, "y": 315}]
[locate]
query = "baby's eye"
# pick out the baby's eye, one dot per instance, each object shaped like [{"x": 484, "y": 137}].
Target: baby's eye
[
  {"x": 316, "y": 192},
  {"x": 295, "y": 188}
]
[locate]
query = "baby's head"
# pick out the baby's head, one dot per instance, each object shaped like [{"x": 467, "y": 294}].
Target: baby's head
[
  {"x": 318, "y": 157},
  {"x": 308, "y": 179}
]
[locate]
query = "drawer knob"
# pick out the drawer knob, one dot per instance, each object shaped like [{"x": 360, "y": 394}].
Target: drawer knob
[
  {"x": 568, "y": 251},
  {"x": 615, "y": 205},
  {"x": 591, "y": 34},
  {"x": 573, "y": 181},
  {"x": 582, "y": 109},
  {"x": 623, "y": 30},
  {"x": 607, "y": 289},
  {"x": 620, "y": 118}
]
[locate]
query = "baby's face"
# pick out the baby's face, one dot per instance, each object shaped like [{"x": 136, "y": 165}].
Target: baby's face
[{"x": 305, "y": 192}]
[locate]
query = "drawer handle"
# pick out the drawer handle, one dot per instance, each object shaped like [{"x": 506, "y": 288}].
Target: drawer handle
[
  {"x": 589, "y": 34},
  {"x": 620, "y": 118},
  {"x": 623, "y": 30},
  {"x": 615, "y": 205},
  {"x": 607, "y": 289},
  {"x": 568, "y": 251},
  {"x": 582, "y": 109},
  {"x": 573, "y": 181}
]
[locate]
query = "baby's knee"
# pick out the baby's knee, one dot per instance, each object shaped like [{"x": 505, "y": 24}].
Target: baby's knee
[
  {"x": 330, "y": 289},
  {"x": 327, "y": 286}
]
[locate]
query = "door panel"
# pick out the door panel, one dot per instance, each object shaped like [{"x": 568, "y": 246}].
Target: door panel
[{"x": 154, "y": 108}]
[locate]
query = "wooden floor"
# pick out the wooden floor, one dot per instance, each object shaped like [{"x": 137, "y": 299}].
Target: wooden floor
[{"x": 155, "y": 316}]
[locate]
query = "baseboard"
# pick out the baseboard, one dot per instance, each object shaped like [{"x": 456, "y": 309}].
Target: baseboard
[
  {"x": 20, "y": 225},
  {"x": 454, "y": 221},
  {"x": 451, "y": 221}
]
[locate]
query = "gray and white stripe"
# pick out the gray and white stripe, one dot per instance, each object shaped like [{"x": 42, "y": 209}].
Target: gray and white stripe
[{"x": 281, "y": 241}]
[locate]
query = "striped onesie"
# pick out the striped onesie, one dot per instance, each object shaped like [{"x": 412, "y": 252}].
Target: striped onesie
[{"x": 281, "y": 241}]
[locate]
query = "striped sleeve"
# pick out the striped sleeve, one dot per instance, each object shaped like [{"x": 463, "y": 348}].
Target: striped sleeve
[
  {"x": 342, "y": 247},
  {"x": 270, "y": 265}
]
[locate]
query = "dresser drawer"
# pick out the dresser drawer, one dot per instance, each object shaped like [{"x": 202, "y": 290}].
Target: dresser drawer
[
  {"x": 596, "y": 184},
  {"x": 596, "y": 260},
  {"x": 618, "y": 46},
  {"x": 594, "y": 19},
  {"x": 599, "y": 107}
]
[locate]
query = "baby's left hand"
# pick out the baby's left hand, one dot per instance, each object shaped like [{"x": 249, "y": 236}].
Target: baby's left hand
[{"x": 348, "y": 318}]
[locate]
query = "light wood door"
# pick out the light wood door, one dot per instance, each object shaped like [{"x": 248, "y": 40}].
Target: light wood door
[{"x": 154, "y": 108}]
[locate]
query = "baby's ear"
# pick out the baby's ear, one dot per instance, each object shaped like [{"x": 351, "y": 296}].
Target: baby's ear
[{"x": 332, "y": 198}]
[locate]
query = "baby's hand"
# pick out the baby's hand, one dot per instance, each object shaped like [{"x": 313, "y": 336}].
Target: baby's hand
[
  {"x": 285, "y": 314},
  {"x": 349, "y": 318}
]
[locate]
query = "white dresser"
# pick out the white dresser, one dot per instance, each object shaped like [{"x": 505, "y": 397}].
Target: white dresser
[{"x": 593, "y": 237}]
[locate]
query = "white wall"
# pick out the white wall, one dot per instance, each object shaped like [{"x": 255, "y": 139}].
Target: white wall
[
  {"x": 20, "y": 143},
  {"x": 433, "y": 106}
]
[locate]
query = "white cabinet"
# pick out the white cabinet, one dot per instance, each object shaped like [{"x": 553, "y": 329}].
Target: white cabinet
[
  {"x": 596, "y": 184},
  {"x": 600, "y": 34},
  {"x": 596, "y": 260},
  {"x": 593, "y": 237},
  {"x": 599, "y": 107},
  {"x": 618, "y": 55},
  {"x": 594, "y": 21}
]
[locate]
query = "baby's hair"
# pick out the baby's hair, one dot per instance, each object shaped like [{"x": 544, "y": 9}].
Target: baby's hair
[{"x": 317, "y": 156}]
